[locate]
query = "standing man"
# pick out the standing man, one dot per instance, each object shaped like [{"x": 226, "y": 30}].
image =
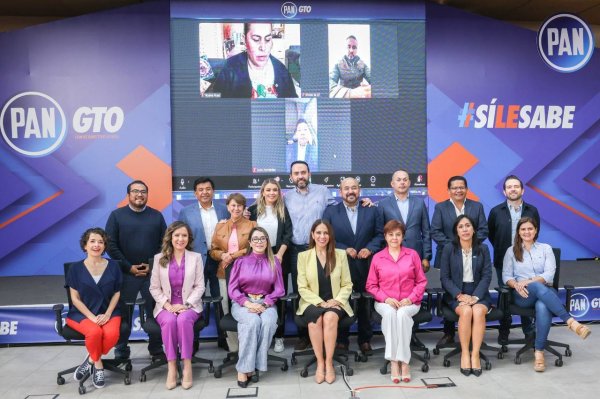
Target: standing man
[
  {"x": 135, "y": 234},
  {"x": 444, "y": 216},
  {"x": 358, "y": 231},
  {"x": 305, "y": 204},
  {"x": 411, "y": 211},
  {"x": 502, "y": 223},
  {"x": 202, "y": 217}
]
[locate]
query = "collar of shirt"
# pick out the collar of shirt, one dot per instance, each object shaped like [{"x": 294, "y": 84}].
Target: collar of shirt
[
  {"x": 212, "y": 206},
  {"x": 515, "y": 209},
  {"x": 400, "y": 199},
  {"x": 387, "y": 254},
  {"x": 135, "y": 210},
  {"x": 303, "y": 192},
  {"x": 350, "y": 208},
  {"x": 461, "y": 210}
]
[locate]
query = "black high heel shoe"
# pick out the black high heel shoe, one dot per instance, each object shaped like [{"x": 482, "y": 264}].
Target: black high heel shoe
[
  {"x": 242, "y": 384},
  {"x": 467, "y": 372},
  {"x": 477, "y": 372}
]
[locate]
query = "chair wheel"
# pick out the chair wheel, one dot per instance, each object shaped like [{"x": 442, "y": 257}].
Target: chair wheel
[
  {"x": 500, "y": 355},
  {"x": 349, "y": 372},
  {"x": 426, "y": 355},
  {"x": 383, "y": 370},
  {"x": 218, "y": 373},
  {"x": 294, "y": 361},
  {"x": 425, "y": 368},
  {"x": 211, "y": 368},
  {"x": 284, "y": 367},
  {"x": 82, "y": 390},
  {"x": 504, "y": 348},
  {"x": 128, "y": 366},
  {"x": 558, "y": 362},
  {"x": 488, "y": 365},
  {"x": 436, "y": 351},
  {"x": 304, "y": 373},
  {"x": 60, "y": 380},
  {"x": 127, "y": 380},
  {"x": 517, "y": 360},
  {"x": 446, "y": 363},
  {"x": 143, "y": 377},
  {"x": 568, "y": 352}
]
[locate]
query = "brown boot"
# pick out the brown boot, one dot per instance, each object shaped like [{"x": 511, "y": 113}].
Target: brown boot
[
  {"x": 540, "y": 364},
  {"x": 578, "y": 328}
]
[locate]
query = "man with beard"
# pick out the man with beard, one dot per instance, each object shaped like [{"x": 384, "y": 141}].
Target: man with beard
[
  {"x": 350, "y": 76},
  {"x": 358, "y": 231},
  {"x": 502, "y": 224},
  {"x": 135, "y": 234}
]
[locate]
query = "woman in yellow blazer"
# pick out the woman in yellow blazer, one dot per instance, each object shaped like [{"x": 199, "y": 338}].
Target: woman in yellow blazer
[{"x": 324, "y": 286}]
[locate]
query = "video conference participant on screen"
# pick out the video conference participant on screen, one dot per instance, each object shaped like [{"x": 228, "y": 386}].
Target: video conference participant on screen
[
  {"x": 255, "y": 73},
  {"x": 348, "y": 76},
  {"x": 303, "y": 146}
]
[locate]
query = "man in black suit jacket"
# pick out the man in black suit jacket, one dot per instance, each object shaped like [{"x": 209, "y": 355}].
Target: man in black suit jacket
[
  {"x": 444, "y": 216},
  {"x": 416, "y": 220},
  {"x": 359, "y": 231},
  {"x": 502, "y": 223}
]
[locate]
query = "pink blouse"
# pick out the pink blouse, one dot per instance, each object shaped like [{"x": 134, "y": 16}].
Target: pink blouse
[{"x": 403, "y": 278}]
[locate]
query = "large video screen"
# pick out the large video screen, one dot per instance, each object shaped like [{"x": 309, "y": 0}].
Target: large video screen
[{"x": 251, "y": 96}]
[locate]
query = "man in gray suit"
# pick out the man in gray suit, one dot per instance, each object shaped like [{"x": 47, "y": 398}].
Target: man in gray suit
[
  {"x": 412, "y": 212},
  {"x": 444, "y": 216},
  {"x": 202, "y": 217}
]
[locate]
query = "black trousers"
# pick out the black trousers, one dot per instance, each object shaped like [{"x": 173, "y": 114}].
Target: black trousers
[{"x": 359, "y": 271}]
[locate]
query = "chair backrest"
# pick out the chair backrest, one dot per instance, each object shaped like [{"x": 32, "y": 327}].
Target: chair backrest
[
  {"x": 66, "y": 267},
  {"x": 555, "y": 281}
]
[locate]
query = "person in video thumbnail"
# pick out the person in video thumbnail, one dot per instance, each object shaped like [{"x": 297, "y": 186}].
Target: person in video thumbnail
[
  {"x": 255, "y": 73},
  {"x": 350, "y": 77},
  {"x": 303, "y": 145}
]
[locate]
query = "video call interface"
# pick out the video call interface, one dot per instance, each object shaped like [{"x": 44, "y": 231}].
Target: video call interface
[{"x": 249, "y": 98}]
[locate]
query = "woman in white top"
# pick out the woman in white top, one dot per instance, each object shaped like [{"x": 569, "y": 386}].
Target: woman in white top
[{"x": 270, "y": 213}]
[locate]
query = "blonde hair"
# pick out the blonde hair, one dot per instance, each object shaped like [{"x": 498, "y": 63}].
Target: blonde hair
[
  {"x": 167, "y": 242},
  {"x": 261, "y": 203},
  {"x": 268, "y": 250}
]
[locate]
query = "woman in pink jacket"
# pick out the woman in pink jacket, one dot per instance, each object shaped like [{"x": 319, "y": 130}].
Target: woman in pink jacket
[{"x": 397, "y": 282}]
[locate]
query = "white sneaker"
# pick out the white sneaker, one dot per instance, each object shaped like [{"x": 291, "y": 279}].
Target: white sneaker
[{"x": 279, "y": 347}]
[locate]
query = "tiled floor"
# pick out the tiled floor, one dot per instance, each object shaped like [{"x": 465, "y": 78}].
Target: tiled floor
[{"x": 32, "y": 371}]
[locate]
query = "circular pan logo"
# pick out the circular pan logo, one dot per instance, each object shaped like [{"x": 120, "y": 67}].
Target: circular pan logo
[
  {"x": 579, "y": 305},
  {"x": 565, "y": 43},
  {"x": 33, "y": 147},
  {"x": 289, "y": 9}
]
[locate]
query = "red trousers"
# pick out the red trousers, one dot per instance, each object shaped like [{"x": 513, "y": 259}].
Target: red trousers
[{"x": 99, "y": 340}]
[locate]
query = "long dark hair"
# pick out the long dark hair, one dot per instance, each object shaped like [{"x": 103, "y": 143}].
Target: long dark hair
[
  {"x": 167, "y": 243},
  {"x": 518, "y": 245},
  {"x": 330, "y": 252},
  {"x": 475, "y": 242}
]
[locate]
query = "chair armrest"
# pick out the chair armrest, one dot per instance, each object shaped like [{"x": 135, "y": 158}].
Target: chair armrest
[
  {"x": 354, "y": 297},
  {"x": 58, "y": 309},
  {"x": 569, "y": 288},
  {"x": 212, "y": 299},
  {"x": 439, "y": 294},
  {"x": 289, "y": 297},
  {"x": 431, "y": 293}
]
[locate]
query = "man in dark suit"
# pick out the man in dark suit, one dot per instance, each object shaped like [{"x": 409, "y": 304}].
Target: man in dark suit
[
  {"x": 502, "y": 223},
  {"x": 444, "y": 216},
  {"x": 411, "y": 211},
  {"x": 359, "y": 231},
  {"x": 202, "y": 217}
]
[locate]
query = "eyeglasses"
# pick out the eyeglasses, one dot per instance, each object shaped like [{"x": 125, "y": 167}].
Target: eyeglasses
[
  {"x": 136, "y": 192},
  {"x": 458, "y": 188},
  {"x": 352, "y": 47},
  {"x": 258, "y": 239}
]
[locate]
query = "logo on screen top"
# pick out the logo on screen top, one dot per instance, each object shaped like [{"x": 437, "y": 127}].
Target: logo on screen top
[
  {"x": 565, "y": 42},
  {"x": 579, "y": 305},
  {"x": 289, "y": 9},
  {"x": 33, "y": 124}
]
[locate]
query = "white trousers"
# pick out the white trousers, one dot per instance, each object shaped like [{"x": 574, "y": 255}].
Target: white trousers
[{"x": 396, "y": 326}]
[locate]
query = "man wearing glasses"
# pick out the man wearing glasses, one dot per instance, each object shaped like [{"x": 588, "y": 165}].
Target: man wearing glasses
[
  {"x": 350, "y": 76},
  {"x": 444, "y": 216},
  {"x": 135, "y": 234}
]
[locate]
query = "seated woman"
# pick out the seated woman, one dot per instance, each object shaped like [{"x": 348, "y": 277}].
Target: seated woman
[
  {"x": 177, "y": 286},
  {"x": 397, "y": 282},
  {"x": 466, "y": 273},
  {"x": 270, "y": 212},
  {"x": 529, "y": 268},
  {"x": 95, "y": 285},
  {"x": 324, "y": 286},
  {"x": 255, "y": 285},
  {"x": 229, "y": 242}
]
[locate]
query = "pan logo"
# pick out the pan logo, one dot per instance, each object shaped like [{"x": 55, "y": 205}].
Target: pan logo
[
  {"x": 289, "y": 9},
  {"x": 579, "y": 305},
  {"x": 33, "y": 124},
  {"x": 565, "y": 43}
]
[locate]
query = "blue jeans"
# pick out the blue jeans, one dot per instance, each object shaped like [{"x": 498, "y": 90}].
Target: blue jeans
[
  {"x": 506, "y": 322},
  {"x": 547, "y": 304}
]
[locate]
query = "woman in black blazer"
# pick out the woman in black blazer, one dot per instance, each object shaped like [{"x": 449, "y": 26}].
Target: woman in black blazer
[
  {"x": 270, "y": 213},
  {"x": 466, "y": 273}
]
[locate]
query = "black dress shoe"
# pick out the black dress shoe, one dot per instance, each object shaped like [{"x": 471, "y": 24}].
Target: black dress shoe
[
  {"x": 477, "y": 372},
  {"x": 445, "y": 340},
  {"x": 467, "y": 372},
  {"x": 302, "y": 344},
  {"x": 365, "y": 347},
  {"x": 242, "y": 384}
]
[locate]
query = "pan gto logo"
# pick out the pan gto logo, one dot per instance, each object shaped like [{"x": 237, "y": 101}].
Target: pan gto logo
[{"x": 35, "y": 125}]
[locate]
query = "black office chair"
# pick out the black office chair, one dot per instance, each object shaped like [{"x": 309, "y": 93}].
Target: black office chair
[
  {"x": 340, "y": 355},
  {"x": 150, "y": 325},
  {"x": 443, "y": 310},
  {"x": 227, "y": 323},
  {"x": 528, "y": 342},
  {"x": 424, "y": 315},
  {"x": 70, "y": 335}
]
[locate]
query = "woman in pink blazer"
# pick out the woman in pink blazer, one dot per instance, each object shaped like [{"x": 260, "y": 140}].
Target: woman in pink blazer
[{"x": 177, "y": 286}]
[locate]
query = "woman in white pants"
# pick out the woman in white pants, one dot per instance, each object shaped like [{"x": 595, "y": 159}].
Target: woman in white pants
[{"x": 397, "y": 282}]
